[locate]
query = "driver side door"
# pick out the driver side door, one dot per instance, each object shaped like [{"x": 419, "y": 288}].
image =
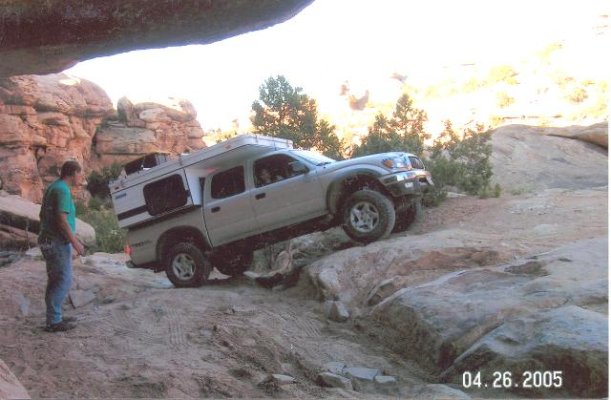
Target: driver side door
[{"x": 292, "y": 196}]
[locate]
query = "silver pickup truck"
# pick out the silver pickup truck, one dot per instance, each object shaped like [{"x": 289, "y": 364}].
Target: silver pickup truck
[{"x": 215, "y": 207}]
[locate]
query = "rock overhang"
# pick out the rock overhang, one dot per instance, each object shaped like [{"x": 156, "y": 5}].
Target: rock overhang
[{"x": 48, "y": 37}]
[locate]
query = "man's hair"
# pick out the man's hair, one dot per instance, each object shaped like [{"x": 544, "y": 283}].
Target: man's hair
[{"x": 70, "y": 168}]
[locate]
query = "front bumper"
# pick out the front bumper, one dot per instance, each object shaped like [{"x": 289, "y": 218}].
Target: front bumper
[{"x": 414, "y": 183}]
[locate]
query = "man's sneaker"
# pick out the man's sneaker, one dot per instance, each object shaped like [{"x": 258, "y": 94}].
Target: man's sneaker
[{"x": 62, "y": 326}]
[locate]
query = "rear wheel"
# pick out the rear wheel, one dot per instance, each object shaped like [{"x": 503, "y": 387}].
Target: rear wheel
[
  {"x": 232, "y": 264},
  {"x": 368, "y": 216},
  {"x": 186, "y": 265}
]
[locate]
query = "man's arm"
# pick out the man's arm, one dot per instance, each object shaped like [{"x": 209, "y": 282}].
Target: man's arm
[{"x": 64, "y": 227}]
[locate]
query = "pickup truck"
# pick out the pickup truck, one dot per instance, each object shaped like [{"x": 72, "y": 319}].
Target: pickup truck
[{"x": 215, "y": 207}]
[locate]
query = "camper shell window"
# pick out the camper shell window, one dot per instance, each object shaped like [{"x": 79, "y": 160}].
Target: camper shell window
[
  {"x": 165, "y": 195},
  {"x": 228, "y": 183}
]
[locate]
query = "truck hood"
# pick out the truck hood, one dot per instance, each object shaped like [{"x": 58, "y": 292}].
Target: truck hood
[{"x": 373, "y": 160}]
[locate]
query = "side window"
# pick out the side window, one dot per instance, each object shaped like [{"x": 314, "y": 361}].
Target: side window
[
  {"x": 165, "y": 195},
  {"x": 273, "y": 169},
  {"x": 228, "y": 183}
]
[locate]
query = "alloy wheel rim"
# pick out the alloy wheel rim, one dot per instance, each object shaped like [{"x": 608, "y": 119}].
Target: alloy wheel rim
[
  {"x": 364, "y": 216},
  {"x": 183, "y": 266}
]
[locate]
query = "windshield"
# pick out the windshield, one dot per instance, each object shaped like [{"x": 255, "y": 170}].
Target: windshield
[{"x": 314, "y": 158}]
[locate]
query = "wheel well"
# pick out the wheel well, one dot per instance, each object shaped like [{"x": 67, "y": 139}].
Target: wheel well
[
  {"x": 179, "y": 235},
  {"x": 351, "y": 184}
]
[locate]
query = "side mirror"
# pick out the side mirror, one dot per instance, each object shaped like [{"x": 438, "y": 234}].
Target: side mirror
[{"x": 298, "y": 167}]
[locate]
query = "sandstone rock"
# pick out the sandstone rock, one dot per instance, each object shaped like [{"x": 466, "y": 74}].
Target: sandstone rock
[
  {"x": 328, "y": 283},
  {"x": 83, "y": 31},
  {"x": 434, "y": 391},
  {"x": 335, "y": 367},
  {"x": 24, "y": 215},
  {"x": 283, "y": 379},
  {"x": 438, "y": 321},
  {"x": 80, "y": 298},
  {"x": 117, "y": 139},
  {"x": 44, "y": 121},
  {"x": 597, "y": 134},
  {"x": 526, "y": 158},
  {"x": 361, "y": 373},
  {"x": 336, "y": 311},
  {"x": 568, "y": 339},
  {"x": 10, "y": 387},
  {"x": 385, "y": 380},
  {"x": 169, "y": 126},
  {"x": 382, "y": 291},
  {"x": 333, "y": 380}
]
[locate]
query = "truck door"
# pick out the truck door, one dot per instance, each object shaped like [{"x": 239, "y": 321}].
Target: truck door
[
  {"x": 228, "y": 213},
  {"x": 284, "y": 195}
]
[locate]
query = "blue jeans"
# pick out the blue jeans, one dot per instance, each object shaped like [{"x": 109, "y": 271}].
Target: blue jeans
[{"x": 59, "y": 272}]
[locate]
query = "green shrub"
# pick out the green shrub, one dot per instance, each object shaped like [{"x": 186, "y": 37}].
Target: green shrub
[
  {"x": 462, "y": 162},
  {"x": 95, "y": 203},
  {"x": 98, "y": 213},
  {"x": 97, "y": 181},
  {"x": 109, "y": 237}
]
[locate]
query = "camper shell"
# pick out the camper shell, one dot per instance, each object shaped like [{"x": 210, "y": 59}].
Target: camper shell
[{"x": 161, "y": 186}]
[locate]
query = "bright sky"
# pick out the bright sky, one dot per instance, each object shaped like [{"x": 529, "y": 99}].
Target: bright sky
[{"x": 332, "y": 41}]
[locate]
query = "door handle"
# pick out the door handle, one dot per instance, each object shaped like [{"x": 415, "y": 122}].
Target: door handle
[
  {"x": 259, "y": 196},
  {"x": 215, "y": 209}
]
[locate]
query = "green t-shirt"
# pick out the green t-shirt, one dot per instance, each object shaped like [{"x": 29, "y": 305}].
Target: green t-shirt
[{"x": 57, "y": 197}]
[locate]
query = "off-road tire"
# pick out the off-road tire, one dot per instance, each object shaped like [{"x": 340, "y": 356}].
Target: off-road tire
[
  {"x": 186, "y": 265},
  {"x": 408, "y": 216},
  {"x": 232, "y": 264},
  {"x": 368, "y": 216}
]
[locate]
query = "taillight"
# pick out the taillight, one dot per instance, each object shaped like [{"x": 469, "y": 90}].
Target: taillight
[{"x": 127, "y": 249}]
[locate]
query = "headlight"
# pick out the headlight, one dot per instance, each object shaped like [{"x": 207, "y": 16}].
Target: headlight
[{"x": 396, "y": 163}]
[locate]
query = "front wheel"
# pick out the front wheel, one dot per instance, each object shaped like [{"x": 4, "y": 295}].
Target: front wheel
[
  {"x": 186, "y": 265},
  {"x": 368, "y": 216}
]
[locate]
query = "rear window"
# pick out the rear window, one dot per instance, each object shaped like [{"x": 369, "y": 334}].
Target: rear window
[
  {"x": 416, "y": 163},
  {"x": 227, "y": 183},
  {"x": 165, "y": 195}
]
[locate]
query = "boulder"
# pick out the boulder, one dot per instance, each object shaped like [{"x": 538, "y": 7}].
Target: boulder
[
  {"x": 468, "y": 319},
  {"x": 329, "y": 379},
  {"x": 116, "y": 139},
  {"x": 336, "y": 311},
  {"x": 568, "y": 339},
  {"x": 23, "y": 215},
  {"x": 361, "y": 373},
  {"x": 169, "y": 126},
  {"x": 527, "y": 158},
  {"x": 597, "y": 134}
]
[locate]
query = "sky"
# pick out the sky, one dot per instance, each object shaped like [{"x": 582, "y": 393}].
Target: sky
[{"x": 333, "y": 41}]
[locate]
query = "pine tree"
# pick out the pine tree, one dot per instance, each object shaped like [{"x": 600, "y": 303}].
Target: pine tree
[
  {"x": 404, "y": 131},
  {"x": 284, "y": 111}
]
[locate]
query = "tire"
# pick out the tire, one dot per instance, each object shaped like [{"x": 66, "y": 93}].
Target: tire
[
  {"x": 232, "y": 264},
  {"x": 368, "y": 216},
  {"x": 408, "y": 216},
  {"x": 186, "y": 266}
]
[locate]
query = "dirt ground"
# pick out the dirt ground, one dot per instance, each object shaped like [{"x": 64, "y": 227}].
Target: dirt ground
[{"x": 143, "y": 338}]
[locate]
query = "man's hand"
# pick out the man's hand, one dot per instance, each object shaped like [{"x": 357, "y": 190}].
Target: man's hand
[{"x": 80, "y": 249}]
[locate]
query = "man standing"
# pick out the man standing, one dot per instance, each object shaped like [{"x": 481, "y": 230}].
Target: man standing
[{"x": 56, "y": 239}]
